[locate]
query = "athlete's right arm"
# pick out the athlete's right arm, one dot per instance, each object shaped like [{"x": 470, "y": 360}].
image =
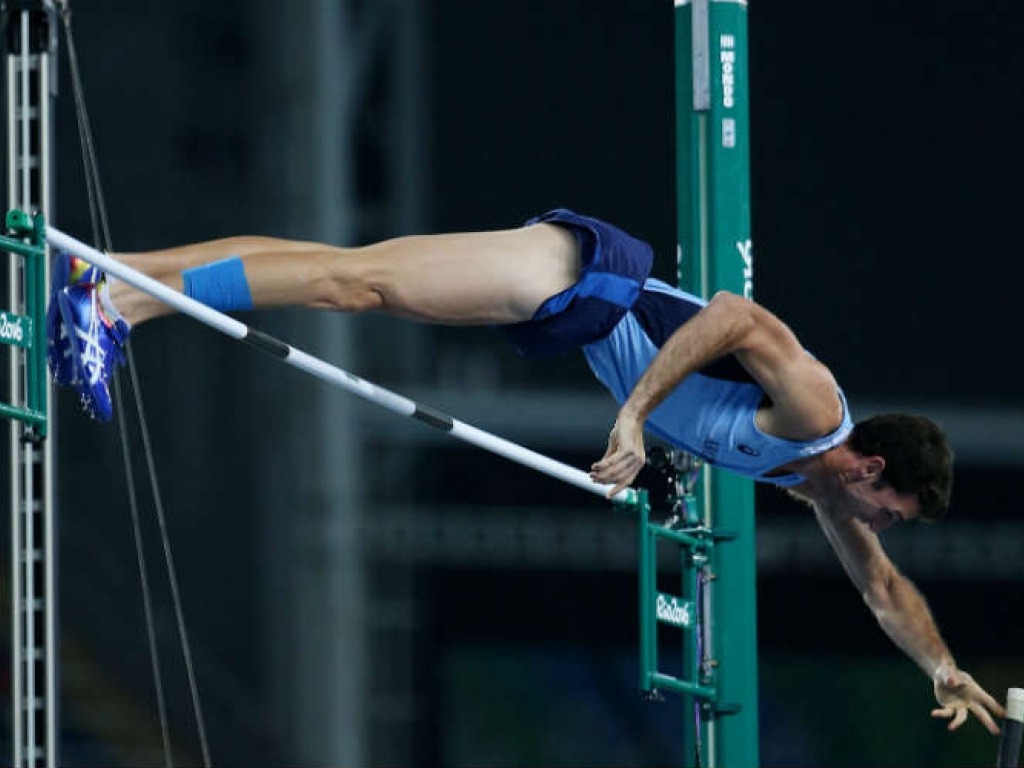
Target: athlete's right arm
[
  {"x": 805, "y": 401},
  {"x": 904, "y": 616}
]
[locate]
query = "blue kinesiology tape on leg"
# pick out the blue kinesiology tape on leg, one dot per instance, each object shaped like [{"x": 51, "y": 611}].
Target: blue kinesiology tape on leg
[{"x": 221, "y": 285}]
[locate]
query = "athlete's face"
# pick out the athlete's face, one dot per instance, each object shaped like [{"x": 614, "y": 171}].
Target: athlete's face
[
  {"x": 880, "y": 506},
  {"x": 875, "y": 503}
]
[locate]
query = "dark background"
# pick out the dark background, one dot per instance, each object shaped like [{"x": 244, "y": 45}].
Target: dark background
[{"x": 359, "y": 592}]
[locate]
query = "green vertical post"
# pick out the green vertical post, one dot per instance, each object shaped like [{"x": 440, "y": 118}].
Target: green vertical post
[
  {"x": 714, "y": 253},
  {"x": 691, "y": 662},
  {"x": 648, "y": 572},
  {"x": 28, "y": 331},
  {"x": 35, "y": 302}
]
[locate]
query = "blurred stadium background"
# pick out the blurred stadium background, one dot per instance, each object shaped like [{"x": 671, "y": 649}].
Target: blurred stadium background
[{"x": 361, "y": 591}]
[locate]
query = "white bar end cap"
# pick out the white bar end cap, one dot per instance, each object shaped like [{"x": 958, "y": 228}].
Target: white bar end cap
[{"x": 1015, "y": 704}]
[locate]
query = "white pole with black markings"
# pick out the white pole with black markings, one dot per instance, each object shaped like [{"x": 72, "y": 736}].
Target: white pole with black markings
[{"x": 332, "y": 374}]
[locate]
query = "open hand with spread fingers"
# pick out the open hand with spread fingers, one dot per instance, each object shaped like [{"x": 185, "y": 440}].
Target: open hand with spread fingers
[
  {"x": 625, "y": 455},
  {"x": 959, "y": 695}
]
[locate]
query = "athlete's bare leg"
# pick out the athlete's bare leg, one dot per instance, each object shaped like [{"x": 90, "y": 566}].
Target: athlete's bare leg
[{"x": 471, "y": 278}]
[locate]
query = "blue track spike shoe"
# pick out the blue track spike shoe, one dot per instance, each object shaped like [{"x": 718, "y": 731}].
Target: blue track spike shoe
[
  {"x": 97, "y": 334},
  {"x": 66, "y": 270}
]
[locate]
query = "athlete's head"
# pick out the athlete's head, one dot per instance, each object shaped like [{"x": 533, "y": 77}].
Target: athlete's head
[{"x": 912, "y": 460}]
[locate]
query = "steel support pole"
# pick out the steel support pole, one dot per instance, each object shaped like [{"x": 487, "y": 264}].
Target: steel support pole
[
  {"x": 714, "y": 253},
  {"x": 29, "y": 41}
]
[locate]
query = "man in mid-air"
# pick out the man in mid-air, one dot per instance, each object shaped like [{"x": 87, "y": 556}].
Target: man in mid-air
[{"x": 725, "y": 380}]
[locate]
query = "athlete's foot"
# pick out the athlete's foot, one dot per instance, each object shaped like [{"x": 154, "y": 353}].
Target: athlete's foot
[
  {"x": 66, "y": 270},
  {"x": 96, "y": 336}
]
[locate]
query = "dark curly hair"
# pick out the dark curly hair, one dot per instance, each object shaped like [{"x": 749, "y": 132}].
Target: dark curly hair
[{"x": 917, "y": 456}]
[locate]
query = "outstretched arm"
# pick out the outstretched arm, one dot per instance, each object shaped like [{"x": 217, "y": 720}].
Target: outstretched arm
[
  {"x": 805, "y": 403},
  {"x": 904, "y": 616}
]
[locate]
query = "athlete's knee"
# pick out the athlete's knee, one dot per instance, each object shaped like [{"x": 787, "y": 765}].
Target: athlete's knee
[{"x": 353, "y": 283}]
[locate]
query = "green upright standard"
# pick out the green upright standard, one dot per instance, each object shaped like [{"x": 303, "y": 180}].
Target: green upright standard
[{"x": 714, "y": 253}]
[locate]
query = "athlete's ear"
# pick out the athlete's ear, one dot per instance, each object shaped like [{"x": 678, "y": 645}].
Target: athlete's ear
[
  {"x": 866, "y": 468},
  {"x": 872, "y": 468}
]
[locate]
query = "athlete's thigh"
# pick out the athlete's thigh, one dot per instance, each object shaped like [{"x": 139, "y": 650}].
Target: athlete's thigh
[{"x": 473, "y": 277}]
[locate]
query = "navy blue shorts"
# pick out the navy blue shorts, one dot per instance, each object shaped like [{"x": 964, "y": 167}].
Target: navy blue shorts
[{"x": 614, "y": 266}]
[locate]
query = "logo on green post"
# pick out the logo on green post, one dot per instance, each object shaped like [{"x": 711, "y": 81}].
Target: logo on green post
[
  {"x": 15, "y": 330},
  {"x": 672, "y": 610}
]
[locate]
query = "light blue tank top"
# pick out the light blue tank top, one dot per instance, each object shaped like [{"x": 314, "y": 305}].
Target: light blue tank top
[{"x": 711, "y": 418}]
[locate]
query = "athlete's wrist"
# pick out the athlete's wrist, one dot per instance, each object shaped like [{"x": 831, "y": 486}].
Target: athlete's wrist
[
  {"x": 943, "y": 669},
  {"x": 633, "y": 411}
]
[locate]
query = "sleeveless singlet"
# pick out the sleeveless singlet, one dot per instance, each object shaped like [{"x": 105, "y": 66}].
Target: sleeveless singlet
[{"x": 711, "y": 413}]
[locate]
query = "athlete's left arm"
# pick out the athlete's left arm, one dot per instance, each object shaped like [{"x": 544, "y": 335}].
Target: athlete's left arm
[
  {"x": 805, "y": 400},
  {"x": 903, "y": 614}
]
